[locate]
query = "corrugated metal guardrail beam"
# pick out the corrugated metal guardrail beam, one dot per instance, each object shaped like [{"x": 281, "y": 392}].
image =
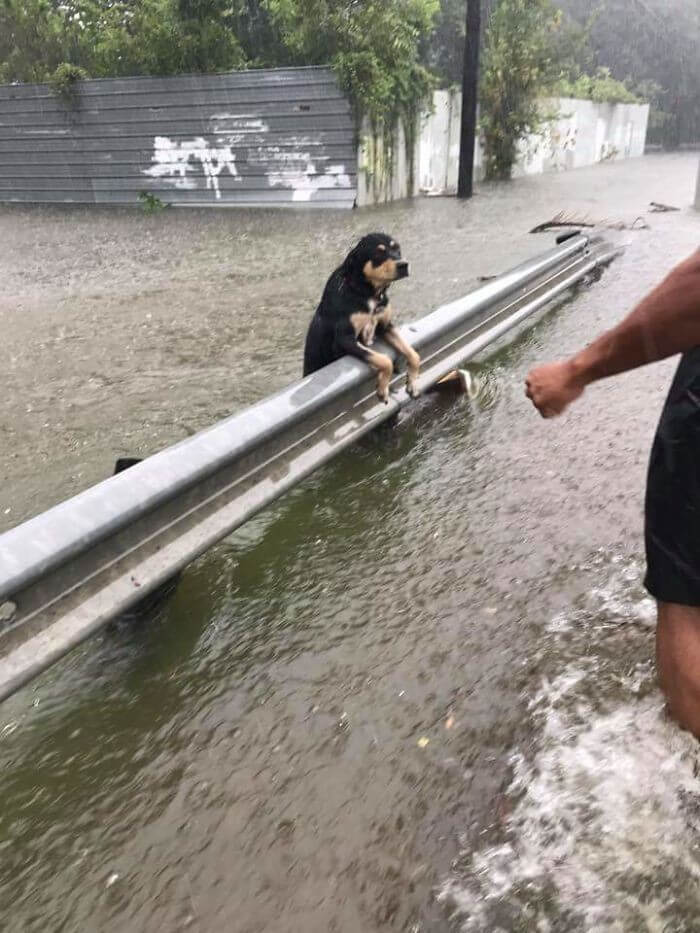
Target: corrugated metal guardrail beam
[{"x": 68, "y": 571}]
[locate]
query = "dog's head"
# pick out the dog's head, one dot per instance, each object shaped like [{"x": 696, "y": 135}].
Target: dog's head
[{"x": 377, "y": 260}]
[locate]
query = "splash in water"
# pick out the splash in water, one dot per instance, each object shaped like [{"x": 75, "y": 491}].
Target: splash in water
[{"x": 604, "y": 832}]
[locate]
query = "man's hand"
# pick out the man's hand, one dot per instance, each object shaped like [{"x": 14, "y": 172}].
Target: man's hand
[
  {"x": 666, "y": 322},
  {"x": 552, "y": 388}
]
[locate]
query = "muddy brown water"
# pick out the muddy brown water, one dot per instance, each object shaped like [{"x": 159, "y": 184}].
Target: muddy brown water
[{"x": 417, "y": 694}]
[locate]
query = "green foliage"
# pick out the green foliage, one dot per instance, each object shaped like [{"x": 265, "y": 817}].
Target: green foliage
[
  {"x": 206, "y": 35},
  {"x": 649, "y": 46},
  {"x": 517, "y": 67},
  {"x": 261, "y": 42},
  {"x": 444, "y": 50},
  {"x": 571, "y": 47},
  {"x": 661, "y": 121},
  {"x": 160, "y": 37},
  {"x": 373, "y": 45},
  {"x": 601, "y": 88},
  {"x": 116, "y": 37},
  {"x": 32, "y": 40},
  {"x": 63, "y": 82},
  {"x": 652, "y": 46},
  {"x": 151, "y": 203}
]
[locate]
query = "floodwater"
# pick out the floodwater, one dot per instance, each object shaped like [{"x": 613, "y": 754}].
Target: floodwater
[{"x": 418, "y": 693}]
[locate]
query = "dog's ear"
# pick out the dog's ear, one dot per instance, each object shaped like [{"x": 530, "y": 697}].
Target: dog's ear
[{"x": 352, "y": 264}]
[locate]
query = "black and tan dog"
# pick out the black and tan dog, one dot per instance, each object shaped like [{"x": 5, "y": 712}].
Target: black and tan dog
[{"x": 355, "y": 307}]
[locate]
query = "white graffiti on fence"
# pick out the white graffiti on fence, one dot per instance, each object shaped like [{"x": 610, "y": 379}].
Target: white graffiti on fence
[
  {"x": 172, "y": 161},
  {"x": 305, "y": 182}
]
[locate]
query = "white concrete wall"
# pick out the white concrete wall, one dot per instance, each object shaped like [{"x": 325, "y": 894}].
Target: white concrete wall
[
  {"x": 384, "y": 172},
  {"x": 697, "y": 191},
  {"x": 438, "y": 143},
  {"x": 583, "y": 133}
]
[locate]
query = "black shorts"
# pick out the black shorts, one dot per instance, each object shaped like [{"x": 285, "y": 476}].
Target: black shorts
[{"x": 672, "y": 521}]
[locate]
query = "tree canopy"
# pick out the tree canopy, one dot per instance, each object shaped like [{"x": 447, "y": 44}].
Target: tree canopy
[
  {"x": 654, "y": 47},
  {"x": 375, "y": 46},
  {"x": 607, "y": 50}
]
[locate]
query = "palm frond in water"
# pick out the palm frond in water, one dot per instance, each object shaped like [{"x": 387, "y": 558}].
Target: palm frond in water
[{"x": 564, "y": 219}]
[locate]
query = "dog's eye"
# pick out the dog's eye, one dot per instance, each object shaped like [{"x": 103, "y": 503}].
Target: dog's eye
[{"x": 381, "y": 248}]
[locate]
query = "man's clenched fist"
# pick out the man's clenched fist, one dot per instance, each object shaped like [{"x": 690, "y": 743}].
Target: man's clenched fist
[{"x": 552, "y": 388}]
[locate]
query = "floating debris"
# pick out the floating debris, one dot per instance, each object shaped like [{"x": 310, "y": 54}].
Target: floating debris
[{"x": 562, "y": 219}]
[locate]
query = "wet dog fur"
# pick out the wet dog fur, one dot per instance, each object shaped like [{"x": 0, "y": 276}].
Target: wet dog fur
[{"x": 355, "y": 308}]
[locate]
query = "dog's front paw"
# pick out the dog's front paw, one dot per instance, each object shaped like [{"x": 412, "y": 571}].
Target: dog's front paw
[
  {"x": 412, "y": 386},
  {"x": 383, "y": 381},
  {"x": 412, "y": 373}
]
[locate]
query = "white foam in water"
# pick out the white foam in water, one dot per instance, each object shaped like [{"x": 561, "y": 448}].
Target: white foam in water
[
  {"x": 621, "y": 600},
  {"x": 604, "y": 833}
]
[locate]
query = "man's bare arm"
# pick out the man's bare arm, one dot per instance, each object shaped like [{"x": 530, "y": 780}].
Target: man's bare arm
[{"x": 666, "y": 322}]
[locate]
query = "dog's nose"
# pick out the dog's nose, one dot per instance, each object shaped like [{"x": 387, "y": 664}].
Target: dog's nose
[{"x": 401, "y": 270}]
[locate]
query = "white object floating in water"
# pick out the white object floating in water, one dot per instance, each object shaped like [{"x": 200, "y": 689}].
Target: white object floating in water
[
  {"x": 470, "y": 384},
  {"x": 112, "y": 880}
]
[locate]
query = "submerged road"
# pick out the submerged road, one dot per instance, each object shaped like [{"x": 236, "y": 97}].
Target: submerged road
[{"x": 418, "y": 693}]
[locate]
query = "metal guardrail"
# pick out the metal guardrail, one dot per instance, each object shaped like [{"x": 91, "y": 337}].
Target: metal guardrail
[{"x": 68, "y": 571}]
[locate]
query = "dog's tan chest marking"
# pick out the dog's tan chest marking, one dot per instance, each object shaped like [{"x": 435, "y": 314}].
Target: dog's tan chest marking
[
  {"x": 384, "y": 316},
  {"x": 364, "y": 323},
  {"x": 359, "y": 321}
]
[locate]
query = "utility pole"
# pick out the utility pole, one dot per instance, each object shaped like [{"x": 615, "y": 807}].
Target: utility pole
[{"x": 470, "y": 88}]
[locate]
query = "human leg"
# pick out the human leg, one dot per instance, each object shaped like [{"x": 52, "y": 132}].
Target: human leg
[{"x": 678, "y": 662}]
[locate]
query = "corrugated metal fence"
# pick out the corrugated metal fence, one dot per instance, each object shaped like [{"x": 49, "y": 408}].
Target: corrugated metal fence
[{"x": 250, "y": 138}]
